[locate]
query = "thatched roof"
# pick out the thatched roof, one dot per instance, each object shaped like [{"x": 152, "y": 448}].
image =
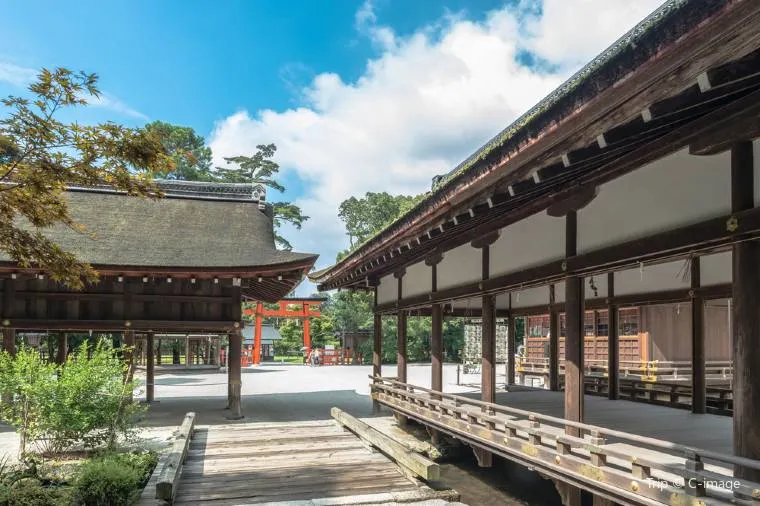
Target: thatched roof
[{"x": 194, "y": 231}]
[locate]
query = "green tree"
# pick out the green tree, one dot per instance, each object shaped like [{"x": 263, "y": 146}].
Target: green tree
[
  {"x": 349, "y": 311},
  {"x": 40, "y": 155},
  {"x": 188, "y": 150},
  {"x": 261, "y": 169},
  {"x": 365, "y": 216}
]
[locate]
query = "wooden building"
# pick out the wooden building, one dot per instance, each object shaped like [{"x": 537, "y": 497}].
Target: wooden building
[
  {"x": 179, "y": 264},
  {"x": 635, "y": 183}
]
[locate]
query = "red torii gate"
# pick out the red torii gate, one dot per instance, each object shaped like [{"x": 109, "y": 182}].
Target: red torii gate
[{"x": 304, "y": 313}]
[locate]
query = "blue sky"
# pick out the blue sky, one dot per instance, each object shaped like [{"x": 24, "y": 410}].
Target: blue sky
[{"x": 358, "y": 95}]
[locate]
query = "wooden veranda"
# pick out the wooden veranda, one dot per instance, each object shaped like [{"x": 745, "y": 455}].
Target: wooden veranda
[
  {"x": 181, "y": 264},
  {"x": 634, "y": 183}
]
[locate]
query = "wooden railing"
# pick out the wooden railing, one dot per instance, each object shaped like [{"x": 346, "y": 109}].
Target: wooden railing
[
  {"x": 625, "y": 468},
  {"x": 653, "y": 370}
]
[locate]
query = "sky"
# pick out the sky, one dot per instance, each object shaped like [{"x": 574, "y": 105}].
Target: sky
[{"x": 358, "y": 95}]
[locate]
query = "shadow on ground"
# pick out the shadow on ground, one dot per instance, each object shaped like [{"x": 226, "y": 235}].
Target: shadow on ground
[{"x": 282, "y": 407}]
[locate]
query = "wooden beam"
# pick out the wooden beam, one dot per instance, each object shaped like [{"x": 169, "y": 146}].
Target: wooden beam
[
  {"x": 553, "y": 341},
  {"x": 723, "y": 139},
  {"x": 613, "y": 343},
  {"x": 488, "y": 349},
  {"x": 746, "y": 320},
  {"x": 377, "y": 353},
  {"x": 485, "y": 240},
  {"x": 511, "y": 345},
  {"x": 698, "y": 357},
  {"x": 169, "y": 474},
  {"x": 403, "y": 456},
  {"x": 574, "y": 202},
  {"x": 574, "y": 334}
]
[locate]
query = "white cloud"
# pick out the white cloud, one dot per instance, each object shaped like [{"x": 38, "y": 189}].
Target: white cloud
[
  {"x": 15, "y": 75},
  {"x": 423, "y": 104},
  {"x": 21, "y": 77}
]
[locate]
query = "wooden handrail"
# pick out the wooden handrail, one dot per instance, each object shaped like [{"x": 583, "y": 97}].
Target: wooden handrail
[
  {"x": 528, "y": 438},
  {"x": 634, "y": 438}
]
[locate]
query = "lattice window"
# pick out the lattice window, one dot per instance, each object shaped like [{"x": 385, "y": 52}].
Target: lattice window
[{"x": 629, "y": 321}]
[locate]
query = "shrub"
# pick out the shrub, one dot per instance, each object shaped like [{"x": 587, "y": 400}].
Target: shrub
[
  {"x": 30, "y": 492},
  {"x": 86, "y": 402},
  {"x": 107, "y": 482}
]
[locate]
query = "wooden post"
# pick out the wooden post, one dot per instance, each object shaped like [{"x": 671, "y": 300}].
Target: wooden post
[
  {"x": 257, "y": 333},
  {"x": 60, "y": 357},
  {"x": 149, "y": 367},
  {"x": 488, "y": 349},
  {"x": 129, "y": 352},
  {"x": 574, "y": 318},
  {"x": 553, "y": 341},
  {"x": 188, "y": 360},
  {"x": 158, "y": 353},
  {"x": 698, "y": 358},
  {"x": 436, "y": 348},
  {"x": 511, "y": 347},
  {"x": 613, "y": 341},
  {"x": 306, "y": 328},
  {"x": 234, "y": 378},
  {"x": 377, "y": 354},
  {"x": 401, "y": 346},
  {"x": 9, "y": 341},
  {"x": 746, "y": 320}
]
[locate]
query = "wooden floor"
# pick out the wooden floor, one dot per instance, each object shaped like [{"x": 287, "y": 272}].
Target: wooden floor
[
  {"x": 708, "y": 432},
  {"x": 276, "y": 462}
]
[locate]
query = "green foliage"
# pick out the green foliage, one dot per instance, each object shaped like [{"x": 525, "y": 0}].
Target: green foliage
[
  {"x": 108, "y": 481},
  {"x": 366, "y": 216},
  {"x": 30, "y": 492},
  {"x": 188, "y": 150},
  {"x": 84, "y": 403},
  {"x": 349, "y": 311},
  {"x": 40, "y": 156}
]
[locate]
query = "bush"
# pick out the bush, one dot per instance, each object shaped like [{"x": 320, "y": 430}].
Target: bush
[
  {"x": 30, "y": 492},
  {"x": 86, "y": 402},
  {"x": 107, "y": 482}
]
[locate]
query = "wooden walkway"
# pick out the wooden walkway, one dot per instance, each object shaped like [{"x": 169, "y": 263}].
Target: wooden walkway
[{"x": 278, "y": 462}]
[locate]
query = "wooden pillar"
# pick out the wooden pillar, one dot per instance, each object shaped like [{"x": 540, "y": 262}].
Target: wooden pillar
[
  {"x": 574, "y": 318},
  {"x": 129, "y": 355},
  {"x": 158, "y": 353},
  {"x": 613, "y": 341},
  {"x": 436, "y": 330},
  {"x": 234, "y": 378},
  {"x": 149, "y": 367},
  {"x": 377, "y": 353},
  {"x": 60, "y": 357},
  {"x": 306, "y": 328},
  {"x": 698, "y": 358},
  {"x": 511, "y": 347},
  {"x": 9, "y": 341},
  {"x": 188, "y": 353},
  {"x": 746, "y": 318},
  {"x": 401, "y": 347},
  {"x": 553, "y": 341},
  {"x": 436, "y": 348},
  {"x": 488, "y": 349},
  {"x": 257, "y": 333}
]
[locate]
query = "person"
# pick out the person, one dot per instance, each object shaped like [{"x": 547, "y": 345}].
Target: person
[{"x": 315, "y": 354}]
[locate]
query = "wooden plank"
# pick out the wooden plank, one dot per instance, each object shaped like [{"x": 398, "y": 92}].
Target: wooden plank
[
  {"x": 168, "y": 479},
  {"x": 412, "y": 461}
]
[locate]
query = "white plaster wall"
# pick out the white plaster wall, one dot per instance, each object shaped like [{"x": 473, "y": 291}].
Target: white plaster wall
[
  {"x": 502, "y": 301},
  {"x": 387, "y": 290},
  {"x": 715, "y": 269},
  {"x": 461, "y": 265},
  {"x": 652, "y": 278},
  {"x": 530, "y": 297},
  {"x": 533, "y": 241},
  {"x": 674, "y": 191},
  {"x": 417, "y": 280},
  {"x": 559, "y": 292}
]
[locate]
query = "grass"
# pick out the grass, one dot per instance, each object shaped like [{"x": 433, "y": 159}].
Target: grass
[{"x": 288, "y": 359}]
